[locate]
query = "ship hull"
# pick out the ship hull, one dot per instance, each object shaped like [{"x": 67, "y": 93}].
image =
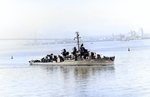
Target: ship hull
[{"x": 88, "y": 62}]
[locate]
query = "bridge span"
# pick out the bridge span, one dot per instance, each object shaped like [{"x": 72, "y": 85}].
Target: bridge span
[
  {"x": 32, "y": 39},
  {"x": 39, "y": 40}
]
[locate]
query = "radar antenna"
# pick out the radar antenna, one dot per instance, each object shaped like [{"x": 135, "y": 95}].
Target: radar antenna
[{"x": 77, "y": 39}]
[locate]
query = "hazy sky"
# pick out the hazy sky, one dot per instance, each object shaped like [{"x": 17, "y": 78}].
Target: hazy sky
[{"x": 56, "y": 18}]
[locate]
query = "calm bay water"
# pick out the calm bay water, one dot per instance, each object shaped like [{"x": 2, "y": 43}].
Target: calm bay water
[{"x": 130, "y": 77}]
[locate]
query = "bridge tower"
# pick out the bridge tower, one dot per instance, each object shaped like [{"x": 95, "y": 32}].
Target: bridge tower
[{"x": 35, "y": 38}]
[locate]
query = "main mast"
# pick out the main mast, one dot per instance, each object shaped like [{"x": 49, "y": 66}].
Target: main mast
[{"x": 77, "y": 39}]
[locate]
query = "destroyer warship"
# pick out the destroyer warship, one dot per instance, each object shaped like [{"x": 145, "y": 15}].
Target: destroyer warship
[{"x": 80, "y": 57}]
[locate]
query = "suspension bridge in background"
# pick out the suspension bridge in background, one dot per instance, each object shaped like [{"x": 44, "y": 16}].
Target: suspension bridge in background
[{"x": 36, "y": 39}]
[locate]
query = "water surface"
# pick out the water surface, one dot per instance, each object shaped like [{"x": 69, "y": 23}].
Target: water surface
[{"x": 129, "y": 77}]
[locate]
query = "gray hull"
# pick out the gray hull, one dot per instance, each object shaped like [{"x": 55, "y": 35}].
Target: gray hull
[{"x": 90, "y": 62}]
